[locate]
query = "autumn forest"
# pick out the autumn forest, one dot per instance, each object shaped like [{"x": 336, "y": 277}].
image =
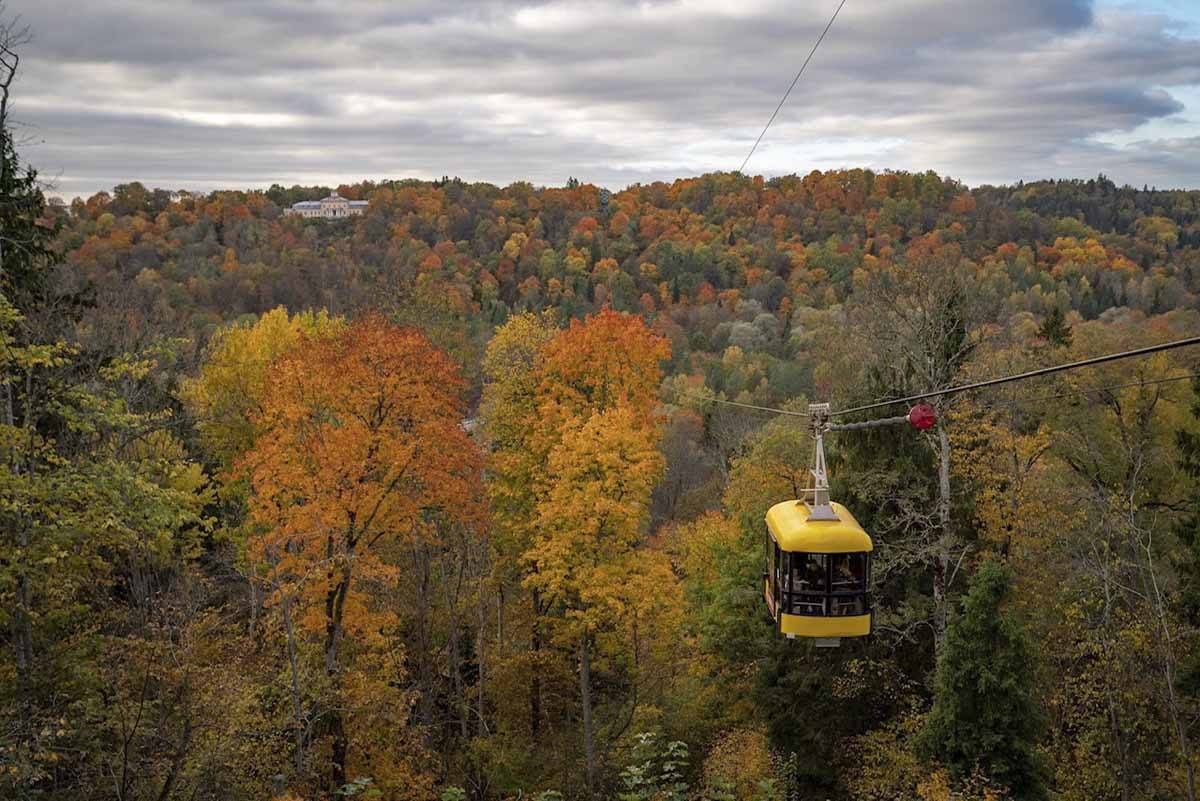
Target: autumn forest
[{"x": 447, "y": 500}]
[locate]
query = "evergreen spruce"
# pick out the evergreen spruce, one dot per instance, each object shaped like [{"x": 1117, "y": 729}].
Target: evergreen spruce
[
  {"x": 1055, "y": 329},
  {"x": 1187, "y": 561},
  {"x": 25, "y": 234},
  {"x": 984, "y": 716}
]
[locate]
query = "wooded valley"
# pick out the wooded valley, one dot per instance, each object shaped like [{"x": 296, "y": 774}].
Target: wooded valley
[{"x": 437, "y": 502}]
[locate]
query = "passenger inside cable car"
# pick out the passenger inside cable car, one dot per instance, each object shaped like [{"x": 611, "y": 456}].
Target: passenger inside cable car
[
  {"x": 822, "y": 584},
  {"x": 807, "y": 585},
  {"x": 849, "y": 583}
]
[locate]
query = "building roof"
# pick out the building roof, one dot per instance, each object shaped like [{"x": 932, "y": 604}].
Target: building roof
[{"x": 334, "y": 198}]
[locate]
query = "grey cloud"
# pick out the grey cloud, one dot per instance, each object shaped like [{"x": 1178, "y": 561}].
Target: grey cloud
[{"x": 245, "y": 93}]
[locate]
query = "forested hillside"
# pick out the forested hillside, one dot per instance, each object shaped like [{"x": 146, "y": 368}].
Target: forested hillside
[
  {"x": 713, "y": 261},
  {"x": 436, "y": 502}
]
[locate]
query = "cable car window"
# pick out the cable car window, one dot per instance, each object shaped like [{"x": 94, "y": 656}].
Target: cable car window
[
  {"x": 807, "y": 604},
  {"x": 769, "y": 560},
  {"x": 819, "y": 585},
  {"x": 808, "y": 572},
  {"x": 847, "y": 605},
  {"x": 848, "y": 572},
  {"x": 777, "y": 569}
]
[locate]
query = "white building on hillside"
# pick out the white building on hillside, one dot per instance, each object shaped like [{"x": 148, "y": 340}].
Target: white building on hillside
[{"x": 333, "y": 207}]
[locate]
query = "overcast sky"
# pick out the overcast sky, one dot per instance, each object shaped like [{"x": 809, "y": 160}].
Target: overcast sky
[{"x": 246, "y": 93}]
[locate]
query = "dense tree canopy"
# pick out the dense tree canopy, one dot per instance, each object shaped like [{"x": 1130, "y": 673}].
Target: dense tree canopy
[{"x": 436, "y": 501}]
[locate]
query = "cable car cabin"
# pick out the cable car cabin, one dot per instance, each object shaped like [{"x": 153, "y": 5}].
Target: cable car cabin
[{"x": 818, "y": 572}]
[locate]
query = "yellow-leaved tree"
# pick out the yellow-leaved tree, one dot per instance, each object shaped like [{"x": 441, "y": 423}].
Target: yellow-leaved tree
[
  {"x": 597, "y": 444},
  {"x": 229, "y": 389},
  {"x": 509, "y": 413},
  {"x": 509, "y": 409}
]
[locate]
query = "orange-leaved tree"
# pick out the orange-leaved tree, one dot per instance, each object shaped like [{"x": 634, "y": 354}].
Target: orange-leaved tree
[
  {"x": 611, "y": 359},
  {"x": 225, "y": 398},
  {"x": 360, "y": 454}
]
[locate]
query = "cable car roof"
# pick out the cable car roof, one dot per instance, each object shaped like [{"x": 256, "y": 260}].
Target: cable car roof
[{"x": 791, "y": 528}]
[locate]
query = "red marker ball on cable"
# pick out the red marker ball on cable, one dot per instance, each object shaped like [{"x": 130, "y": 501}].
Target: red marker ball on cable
[{"x": 922, "y": 417}]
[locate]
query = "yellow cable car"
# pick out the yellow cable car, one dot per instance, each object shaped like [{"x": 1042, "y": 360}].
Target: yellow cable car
[{"x": 818, "y": 562}]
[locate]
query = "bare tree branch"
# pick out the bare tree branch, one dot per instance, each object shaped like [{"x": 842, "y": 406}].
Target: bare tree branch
[{"x": 13, "y": 35}]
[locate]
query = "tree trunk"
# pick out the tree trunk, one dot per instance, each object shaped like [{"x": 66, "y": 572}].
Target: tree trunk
[
  {"x": 481, "y": 654},
  {"x": 335, "y": 603},
  {"x": 535, "y": 680},
  {"x": 941, "y": 568},
  {"x": 338, "y": 747},
  {"x": 254, "y": 605},
  {"x": 23, "y": 621},
  {"x": 427, "y": 677},
  {"x": 20, "y": 650},
  {"x": 453, "y": 648},
  {"x": 181, "y": 752},
  {"x": 1118, "y": 733},
  {"x": 1116, "y": 725},
  {"x": 585, "y": 694},
  {"x": 479, "y": 571},
  {"x": 4, "y": 200},
  {"x": 24, "y": 592},
  {"x": 1180, "y": 726},
  {"x": 297, "y": 707}
]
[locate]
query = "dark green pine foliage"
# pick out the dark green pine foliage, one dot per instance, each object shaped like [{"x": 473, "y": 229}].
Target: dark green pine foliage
[
  {"x": 984, "y": 716},
  {"x": 25, "y": 235},
  {"x": 1188, "y": 559},
  {"x": 1055, "y": 329}
]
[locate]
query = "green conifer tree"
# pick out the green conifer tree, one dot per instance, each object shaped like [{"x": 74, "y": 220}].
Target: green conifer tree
[
  {"x": 1187, "y": 561},
  {"x": 25, "y": 234},
  {"x": 1055, "y": 329},
  {"x": 984, "y": 716}
]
